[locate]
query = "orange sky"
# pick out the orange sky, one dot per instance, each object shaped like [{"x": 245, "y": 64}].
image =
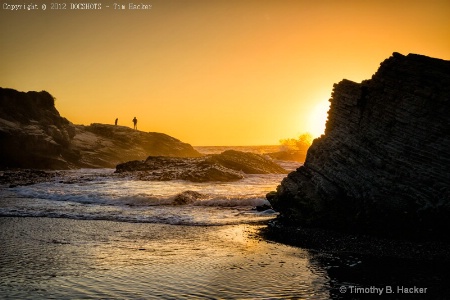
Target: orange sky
[{"x": 212, "y": 72}]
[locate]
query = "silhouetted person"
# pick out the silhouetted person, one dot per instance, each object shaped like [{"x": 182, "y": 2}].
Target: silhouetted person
[
  {"x": 115, "y": 123},
  {"x": 135, "y": 123}
]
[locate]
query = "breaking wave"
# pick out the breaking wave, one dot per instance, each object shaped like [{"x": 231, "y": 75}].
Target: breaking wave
[{"x": 94, "y": 196}]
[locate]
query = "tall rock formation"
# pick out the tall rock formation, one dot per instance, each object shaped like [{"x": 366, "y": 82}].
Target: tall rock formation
[
  {"x": 383, "y": 165},
  {"x": 34, "y": 135}
]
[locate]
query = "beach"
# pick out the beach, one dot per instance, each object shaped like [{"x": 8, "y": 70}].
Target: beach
[
  {"x": 91, "y": 234},
  {"x": 60, "y": 258},
  {"x": 57, "y": 258}
]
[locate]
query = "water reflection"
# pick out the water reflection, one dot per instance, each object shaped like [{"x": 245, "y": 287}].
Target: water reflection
[
  {"x": 371, "y": 277},
  {"x": 60, "y": 258}
]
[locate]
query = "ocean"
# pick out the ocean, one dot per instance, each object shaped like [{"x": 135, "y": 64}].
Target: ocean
[
  {"x": 92, "y": 234},
  {"x": 100, "y": 194}
]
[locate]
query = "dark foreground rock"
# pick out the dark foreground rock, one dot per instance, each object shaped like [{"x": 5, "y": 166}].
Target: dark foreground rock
[
  {"x": 230, "y": 165},
  {"x": 383, "y": 165},
  {"x": 366, "y": 261},
  {"x": 341, "y": 243},
  {"x": 34, "y": 135}
]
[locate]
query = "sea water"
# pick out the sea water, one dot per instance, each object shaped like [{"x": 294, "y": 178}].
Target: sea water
[
  {"x": 101, "y": 194},
  {"x": 95, "y": 234},
  {"x": 92, "y": 233},
  {"x": 59, "y": 258}
]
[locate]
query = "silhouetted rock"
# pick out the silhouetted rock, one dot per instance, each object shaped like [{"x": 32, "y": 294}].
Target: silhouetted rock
[
  {"x": 102, "y": 145},
  {"x": 171, "y": 168},
  {"x": 263, "y": 207},
  {"x": 249, "y": 163},
  {"x": 228, "y": 166},
  {"x": 25, "y": 177},
  {"x": 383, "y": 165},
  {"x": 34, "y": 135},
  {"x": 187, "y": 197}
]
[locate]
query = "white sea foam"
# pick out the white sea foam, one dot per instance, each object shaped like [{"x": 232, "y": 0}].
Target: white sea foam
[{"x": 100, "y": 194}]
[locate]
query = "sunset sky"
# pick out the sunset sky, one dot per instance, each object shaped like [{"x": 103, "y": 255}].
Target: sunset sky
[{"x": 212, "y": 72}]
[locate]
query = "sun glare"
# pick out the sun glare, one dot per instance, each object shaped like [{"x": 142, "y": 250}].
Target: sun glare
[{"x": 318, "y": 118}]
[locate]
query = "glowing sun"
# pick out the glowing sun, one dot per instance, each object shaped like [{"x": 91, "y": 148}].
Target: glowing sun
[{"x": 317, "y": 118}]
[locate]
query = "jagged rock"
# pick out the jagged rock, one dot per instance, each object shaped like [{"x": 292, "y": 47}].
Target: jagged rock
[
  {"x": 25, "y": 177},
  {"x": 228, "y": 166},
  {"x": 383, "y": 165},
  {"x": 173, "y": 168},
  {"x": 263, "y": 207},
  {"x": 34, "y": 135},
  {"x": 249, "y": 163},
  {"x": 187, "y": 197}
]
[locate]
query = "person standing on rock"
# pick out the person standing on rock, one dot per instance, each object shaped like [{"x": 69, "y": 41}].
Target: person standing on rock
[
  {"x": 135, "y": 123},
  {"x": 115, "y": 123}
]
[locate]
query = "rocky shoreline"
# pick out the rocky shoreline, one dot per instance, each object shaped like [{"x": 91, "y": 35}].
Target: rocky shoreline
[
  {"x": 230, "y": 165},
  {"x": 13, "y": 178},
  {"x": 344, "y": 244},
  {"x": 33, "y": 135}
]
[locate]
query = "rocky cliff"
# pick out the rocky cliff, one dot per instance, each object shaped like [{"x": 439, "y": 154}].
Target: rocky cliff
[
  {"x": 103, "y": 145},
  {"x": 383, "y": 165},
  {"x": 34, "y": 135}
]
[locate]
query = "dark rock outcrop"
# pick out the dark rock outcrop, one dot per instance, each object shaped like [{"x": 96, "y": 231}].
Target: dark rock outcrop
[
  {"x": 246, "y": 162},
  {"x": 230, "y": 165},
  {"x": 187, "y": 197},
  {"x": 102, "y": 145},
  {"x": 173, "y": 168},
  {"x": 383, "y": 165},
  {"x": 34, "y": 135},
  {"x": 25, "y": 177}
]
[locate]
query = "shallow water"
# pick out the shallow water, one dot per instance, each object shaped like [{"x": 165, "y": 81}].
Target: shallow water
[
  {"x": 59, "y": 258},
  {"x": 49, "y": 258}
]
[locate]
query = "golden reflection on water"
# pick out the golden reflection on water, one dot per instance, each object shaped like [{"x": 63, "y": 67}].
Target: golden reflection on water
[{"x": 127, "y": 260}]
